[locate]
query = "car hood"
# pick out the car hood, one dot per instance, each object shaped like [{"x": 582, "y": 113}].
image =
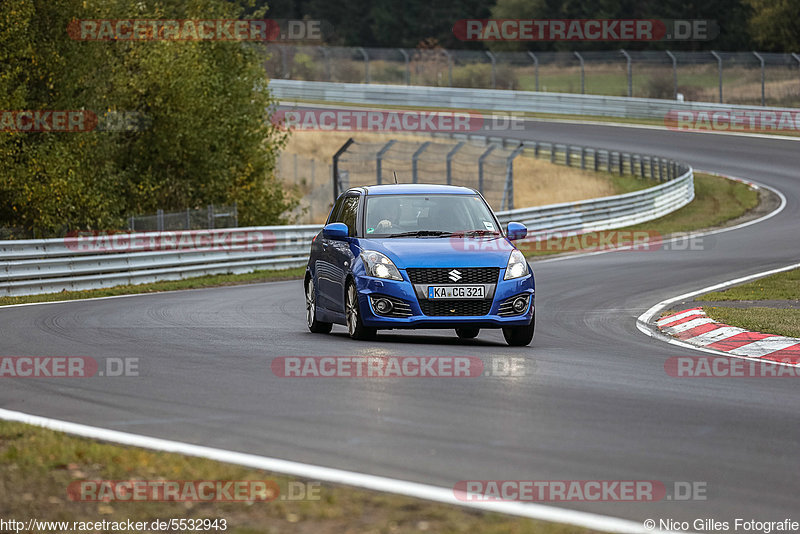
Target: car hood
[{"x": 443, "y": 251}]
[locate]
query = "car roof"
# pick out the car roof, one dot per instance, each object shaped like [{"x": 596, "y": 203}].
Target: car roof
[{"x": 415, "y": 189}]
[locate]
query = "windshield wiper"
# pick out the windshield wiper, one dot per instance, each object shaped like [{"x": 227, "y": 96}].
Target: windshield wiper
[
  {"x": 481, "y": 232},
  {"x": 422, "y": 233}
]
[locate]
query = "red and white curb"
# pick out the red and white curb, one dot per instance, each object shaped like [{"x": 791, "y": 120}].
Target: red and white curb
[{"x": 694, "y": 327}]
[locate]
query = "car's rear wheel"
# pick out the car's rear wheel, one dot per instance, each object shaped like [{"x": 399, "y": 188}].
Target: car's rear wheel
[
  {"x": 355, "y": 325},
  {"x": 318, "y": 327},
  {"x": 519, "y": 336},
  {"x": 467, "y": 332}
]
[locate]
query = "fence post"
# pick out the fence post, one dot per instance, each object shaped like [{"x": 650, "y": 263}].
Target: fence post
[
  {"x": 379, "y": 160},
  {"x": 408, "y": 69},
  {"x": 596, "y": 153},
  {"x": 450, "y": 162},
  {"x": 188, "y": 219},
  {"x": 583, "y": 157},
  {"x": 508, "y": 190},
  {"x": 414, "y": 159},
  {"x": 284, "y": 63},
  {"x": 131, "y": 224},
  {"x": 494, "y": 69},
  {"x": 583, "y": 76},
  {"x": 160, "y": 220},
  {"x": 335, "y": 173},
  {"x": 313, "y": 165},
  {"x": 674, "y": 74},
  {"x": 480, "y": 166},
  {"x": 630, "y": 72},
  {"x": 449, "y": 67},
  {"x": 210, "y": 211},
  {"x": 621, "y": 164},
  {"x": 536, "y": 70},
  {"x": 235, "y": 214},
  {"x": 366, "y": 63},
  {"x": 719, "y": 66},
  {"x": 641, "y": 166},
  {"x": 294, "y": 157},
  {"x": 761, "y": 59},
  {"x": 797, "y": 58},
  {"x": 327, "y": 56}
]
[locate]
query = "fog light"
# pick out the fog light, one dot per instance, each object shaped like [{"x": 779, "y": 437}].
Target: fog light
[
  {"x": 383, "y": 306},
  {"x": 520, "y": 303}
]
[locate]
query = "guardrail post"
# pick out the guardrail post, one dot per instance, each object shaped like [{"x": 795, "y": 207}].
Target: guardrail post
[
  {"x": 366, "y": 63},
  {"x": 536, "y": 149},
  {"x": 596, "y": 159},
  {"x": 719, "y": 67},
  {"x": 583, "y": 157},
  {"x": 630, "y": 72},
  {"x": 450, "y": 162},
  {"x": 641, "y": 166},
  {"x": 620, "y": 162},
  {"x": 535, "y": 70},
  {"x": 567, "y": 156},
  {"x": 481, "y": 159},
  {"x": 408, "y": 69},
  {"x": 660, "y": 170},
  {"x": 494, "y": 69},
  {"x": 379, "y": 160},
  {"x": 761, "y": 59},
  {"x": 583, "y": 74},
  {"x": 414, "y": 159},
  {"x": 652, "y": 172},
  {"x": 335, "y": 173},
  {"x": 674, "y": 74},
  {"x": 508, "y": 190}
]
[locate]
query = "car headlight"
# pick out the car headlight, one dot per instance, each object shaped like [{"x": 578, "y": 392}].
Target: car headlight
[
  {"x": 379, "y": 266},
  {"x": 517, "y": 266}
]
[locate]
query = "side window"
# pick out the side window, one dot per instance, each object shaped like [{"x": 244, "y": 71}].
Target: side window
[
  {"x": 349, "y": 214},
  {"x": 333, "y": 217}
]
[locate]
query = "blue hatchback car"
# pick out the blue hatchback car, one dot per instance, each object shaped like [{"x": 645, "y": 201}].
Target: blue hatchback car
[{"x": 418, "y": 256}]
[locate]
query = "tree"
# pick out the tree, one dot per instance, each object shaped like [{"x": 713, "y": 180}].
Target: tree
[{"x": 774, "y": 24}]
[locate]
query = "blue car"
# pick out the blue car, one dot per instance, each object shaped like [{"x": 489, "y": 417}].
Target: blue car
[{"x": 418, "y": 256}]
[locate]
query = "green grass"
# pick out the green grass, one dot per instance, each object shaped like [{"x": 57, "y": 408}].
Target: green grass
[
  {"x": 717, "y": 201},
  {"x": 782, "y": 322},
  {"x": 37, "y": 465},
  {"x": 781, "y": 286},
  {"x": 166, "y": 285}
]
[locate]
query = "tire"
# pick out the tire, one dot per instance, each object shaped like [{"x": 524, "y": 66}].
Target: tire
[
  {"x": 355, "y": 327},
  {"x": 318, "y": 327},
  {"x": 520, "y": 336},
  {"x": 467, "y": 332}
]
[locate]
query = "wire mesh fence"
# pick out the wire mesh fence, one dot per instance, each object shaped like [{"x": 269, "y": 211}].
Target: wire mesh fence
[
  {"x": 747, "y": 78},
  {"x": 190, "y": 219}
]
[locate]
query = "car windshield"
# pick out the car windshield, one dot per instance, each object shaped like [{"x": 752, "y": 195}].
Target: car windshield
[{"x": 427, "y": 215}]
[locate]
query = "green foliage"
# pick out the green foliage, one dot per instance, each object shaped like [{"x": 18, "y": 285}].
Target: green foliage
[
  {"x": 206, "y": 137},
  {"x": 774, "y": 24}
]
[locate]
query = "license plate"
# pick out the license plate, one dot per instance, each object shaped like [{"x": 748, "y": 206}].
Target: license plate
[{"x": 456, "y": 292}]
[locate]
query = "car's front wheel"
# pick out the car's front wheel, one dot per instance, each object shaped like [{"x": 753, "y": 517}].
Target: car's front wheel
[
  {"x": 318, "y": 327},
  {"x": 355, "y": 326},
  {"x": 519, "y": 336},
  {"x": 467, "y": 332}
]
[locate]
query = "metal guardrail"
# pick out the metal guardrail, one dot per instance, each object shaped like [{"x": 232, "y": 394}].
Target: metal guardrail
[
  {"x": 490, "y": 99},
  {"x": 94, "y": 261}
]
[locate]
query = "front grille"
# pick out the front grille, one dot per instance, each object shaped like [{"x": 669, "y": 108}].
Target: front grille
[
  {"x": 469, "y": 275},
  {"x": 400, "y": 308},
  {"x": 506, "y": 310},
  {"x": 455, "y": 307}
]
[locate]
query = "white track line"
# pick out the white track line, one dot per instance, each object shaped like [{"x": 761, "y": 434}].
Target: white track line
[{"x": 336, "y": 476}]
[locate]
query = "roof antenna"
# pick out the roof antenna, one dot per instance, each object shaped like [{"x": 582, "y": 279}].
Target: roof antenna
[{"x": 395, "y": 176}]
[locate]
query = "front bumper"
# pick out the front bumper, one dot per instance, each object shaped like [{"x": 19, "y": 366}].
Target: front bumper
[{"x": 405, "y": 291}]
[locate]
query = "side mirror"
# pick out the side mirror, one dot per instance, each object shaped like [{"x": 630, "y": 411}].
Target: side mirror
[
  {"x": 335, "y": 231},
  {"x": 516, "y": 231}
]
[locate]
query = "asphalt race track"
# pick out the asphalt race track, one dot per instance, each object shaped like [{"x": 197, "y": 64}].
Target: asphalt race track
[{"x": 595, "y": 403}]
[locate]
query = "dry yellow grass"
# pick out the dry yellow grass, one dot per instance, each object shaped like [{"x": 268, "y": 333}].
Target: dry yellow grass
[{"x": 536, "y": 181}]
